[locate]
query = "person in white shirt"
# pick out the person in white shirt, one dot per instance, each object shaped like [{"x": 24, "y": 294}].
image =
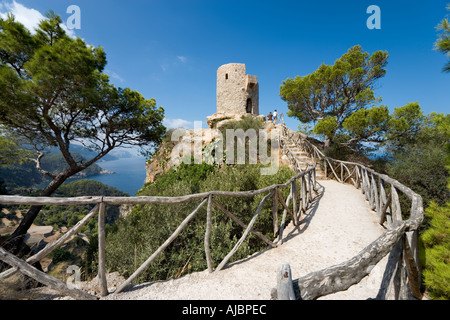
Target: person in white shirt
[{"x": 275, "y": 117}]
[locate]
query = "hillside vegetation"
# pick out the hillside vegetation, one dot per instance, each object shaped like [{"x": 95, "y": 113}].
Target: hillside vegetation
[{"x": 132, "y": 239}]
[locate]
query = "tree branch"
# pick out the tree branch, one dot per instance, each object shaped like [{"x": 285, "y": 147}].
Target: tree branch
[{"x": 38, "y": 166}]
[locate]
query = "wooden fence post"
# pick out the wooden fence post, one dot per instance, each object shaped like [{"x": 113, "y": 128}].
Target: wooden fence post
[
  {"x": 249, "y": 227},
  {"x": 275, "y": 211},
  {"x": 42, "y": 277},
  {"x": 376, "y": 204},
  {"x": 411, "y": 254},
  {"x": 208, "y": 234},
  {"x": 395, "y": 205},
  {"x": 294, "y": 200},
  {"x": 303, "y": 192},
  {"x": 161, "y": 248},
  {"x": 358, "y": 176},
  {"x": 243, "y": 225},
  {"x": 102, "y": 251},
  {"x": 382, "y": 199},
  {"x": 53, "y": 245},
  {"x": 285, "y": 211},
  {"x": 385, "y": 208},
  {"x": 310, "y": 196},
  {"x": 285, "y": 288}
]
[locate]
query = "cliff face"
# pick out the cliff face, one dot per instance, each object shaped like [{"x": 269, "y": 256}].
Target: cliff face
[{"x": 182, "y": 144}]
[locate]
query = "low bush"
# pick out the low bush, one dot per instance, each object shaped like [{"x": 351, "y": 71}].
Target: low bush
[
  {"x": 138, "y": 235},
  {"x": 436, "y": 256}
]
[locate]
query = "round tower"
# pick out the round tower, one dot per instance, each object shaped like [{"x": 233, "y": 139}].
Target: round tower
[{"x": 237, "y": 92}]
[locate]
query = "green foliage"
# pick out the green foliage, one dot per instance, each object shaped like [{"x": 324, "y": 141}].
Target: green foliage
[
  {"x": 246, "y": 123},
  {"x": 423, "y": 169},
  {"x": 54, "y": 92},
  {"x": 326, "y": 127},
  {"x": 86, "y": 187},
  {"x": 437, "y": 251},
  {"x": 68, "y": 216},
  {"x": 17, "y": 175},
  {"x": 420, "y": 156},
  {"x": 335, "y": 91},
  {"x": 55, "y": 163},
  {"x": 138, "y": 235},
  {"x": 368, "y": 124},
  {"x": 191, "y": 174},
  {"x": 443, "y": 42},
  {"x": 405, "y": 124},
  {"x": 419, "y": 148},
  {"x": 247, "y": 127},
  {"x": 10, "y": 150},
  {"x": 59, "y": 255}
]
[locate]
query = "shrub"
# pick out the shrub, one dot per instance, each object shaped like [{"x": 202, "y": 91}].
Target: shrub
[
  {"x": 139, "y": 234},
  {"x": 423, "y": 169},
  {"x": 437, "y": 251},
  {"x": 247, "y": 124},
  {"x": 60, "y": 254}
]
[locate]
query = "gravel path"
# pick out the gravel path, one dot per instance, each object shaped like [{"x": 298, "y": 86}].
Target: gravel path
[{"x": 337, "y": 227}]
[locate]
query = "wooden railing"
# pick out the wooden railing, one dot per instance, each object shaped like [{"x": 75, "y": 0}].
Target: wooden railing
[
  {"x": 301, "y": 195},
  {"x": 399, "y": 240}
]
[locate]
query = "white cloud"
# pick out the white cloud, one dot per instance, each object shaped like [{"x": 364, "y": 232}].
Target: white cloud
[
  {"x": 173, "y": 62},
  {"x": 29, "y": 17},
  {"x": 178, "y": 123},
  {"x": 69, "y": 32},
  {"x": 182, "y": 59},
  {"x": 114, "y": 75}
]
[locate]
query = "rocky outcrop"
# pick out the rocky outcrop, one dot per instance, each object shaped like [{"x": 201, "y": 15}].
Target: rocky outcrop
[
  {"x": 183, "y": 143},
  {"x": 217, "y": 120}
]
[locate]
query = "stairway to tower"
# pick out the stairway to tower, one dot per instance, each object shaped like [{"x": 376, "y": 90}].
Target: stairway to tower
[{"x": 305, "y": 160}]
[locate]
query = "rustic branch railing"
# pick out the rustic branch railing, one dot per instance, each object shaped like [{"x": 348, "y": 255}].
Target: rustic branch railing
[
  {"x": 399, "y": 240},
  {"x": 300, "y": 200}
]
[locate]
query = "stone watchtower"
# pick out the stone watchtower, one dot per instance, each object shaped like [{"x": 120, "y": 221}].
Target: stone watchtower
[{"x": 237, "y": 93}]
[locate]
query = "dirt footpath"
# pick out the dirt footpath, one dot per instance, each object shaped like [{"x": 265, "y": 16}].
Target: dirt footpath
[{"x": 336, "y": 228}]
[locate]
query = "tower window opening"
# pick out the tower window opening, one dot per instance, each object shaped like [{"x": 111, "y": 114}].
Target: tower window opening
[
  {"x": 226, "y": 76},
  {"x": 249, "y": 107}
]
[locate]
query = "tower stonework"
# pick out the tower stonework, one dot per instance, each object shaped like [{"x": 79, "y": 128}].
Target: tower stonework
[{"x": 237, "y": 93}]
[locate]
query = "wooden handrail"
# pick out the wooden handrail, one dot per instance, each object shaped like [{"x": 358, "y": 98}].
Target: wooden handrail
[
  {"x": 207, "y": 197},
  {"x": 400, "y": 232}
]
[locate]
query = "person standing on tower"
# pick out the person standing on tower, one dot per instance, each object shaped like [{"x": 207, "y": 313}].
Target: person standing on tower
[{"x": 275, "y": 117}]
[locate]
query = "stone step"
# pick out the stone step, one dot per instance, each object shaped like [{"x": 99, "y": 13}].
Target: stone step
[
  {"x": 300, "y": 154},
  {"x": 305, "y": 160}
]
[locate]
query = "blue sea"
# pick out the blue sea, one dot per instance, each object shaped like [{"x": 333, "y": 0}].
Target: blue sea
[{"x": 129, "y": 174}]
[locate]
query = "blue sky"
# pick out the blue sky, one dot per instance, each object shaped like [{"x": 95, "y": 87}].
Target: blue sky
[{"x": 170, "y": 50}]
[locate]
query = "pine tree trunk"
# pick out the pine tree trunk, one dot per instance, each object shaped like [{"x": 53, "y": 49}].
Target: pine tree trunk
[{"x": 15, "y": 241}]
